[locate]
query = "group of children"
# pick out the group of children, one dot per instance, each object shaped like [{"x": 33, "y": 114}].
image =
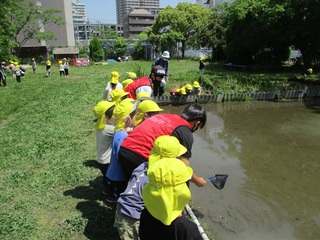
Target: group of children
[
  {"x": 151, "y": 201},
  {"x": 63, "y": 68},
  {"x": 188, "y": 89}
]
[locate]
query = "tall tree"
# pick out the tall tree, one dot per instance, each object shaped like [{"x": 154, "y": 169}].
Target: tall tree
[
  {"x": 28, "y": 19},
  {"x": 96, "y": 51},
  {"x": 184, "y": 23}
]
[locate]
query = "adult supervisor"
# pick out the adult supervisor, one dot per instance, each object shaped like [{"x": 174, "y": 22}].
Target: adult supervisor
[{"x": 135, "y": 149}]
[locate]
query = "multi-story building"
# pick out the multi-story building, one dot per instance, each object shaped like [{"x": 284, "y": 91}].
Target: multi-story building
[
  {"x": 126, "y": 6},
  {"x": 64, "y": 33},
  {"x": 78, "y": 12}
]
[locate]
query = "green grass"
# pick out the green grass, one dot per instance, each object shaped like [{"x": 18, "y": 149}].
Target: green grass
[{"x": 50, "y": 187}]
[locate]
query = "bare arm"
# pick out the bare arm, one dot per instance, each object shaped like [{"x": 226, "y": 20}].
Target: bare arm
[{"x": 199, "y": 181}]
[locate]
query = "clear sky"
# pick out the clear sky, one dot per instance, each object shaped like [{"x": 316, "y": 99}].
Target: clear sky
[{"x": 105, "y": 10}]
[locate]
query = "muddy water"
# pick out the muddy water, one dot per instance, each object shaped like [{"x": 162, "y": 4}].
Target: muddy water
[{"x": 272, "y": 155}]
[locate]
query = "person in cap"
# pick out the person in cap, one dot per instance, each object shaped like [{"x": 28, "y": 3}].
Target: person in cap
[
  {"x": 11, "y": 68},
  {"x": 130, "y": 203},
  {"x": 18, "y": 72},
  {"x": 188, "y": 88},
  {"x": 163, "y": 61},
  {"x": 136, "y": 148},
  {"x": 166, "y": 194},
  {"x": 309, "y": 71},
  {"x": 66, "y": 67},
  {"x": 61, "y": 68},
  {"x": 196, "y": 88},
  {"x": 34, "y": 65},
  {"x": 146, "y": 109},
  {"x": 202, "y": 64},
  {"x": 104, "y": 126},
  {"x": 131, "y": 76},
  {"x": 124, "y": 114},
  {"x": 112, "y": 85},
  {"x": 178, "y": 96},
  {"x": 144, "y": 84},
  {"x": 48, "y": 68},
  {"x": 141, "y": 96},
  {"x": 118, "y": 95}
]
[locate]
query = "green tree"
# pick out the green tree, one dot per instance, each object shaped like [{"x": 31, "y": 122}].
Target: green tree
[
  {"x": 185, "y": 24},
  {"x": 116, "y": 48},
  {"x": 28, "y": 19},
  {"x": 108, "y": 34},
  {"x": 252, "y": 31},
  {"x": 138, "y": 50},
  {"x": 96, "y": 51}
]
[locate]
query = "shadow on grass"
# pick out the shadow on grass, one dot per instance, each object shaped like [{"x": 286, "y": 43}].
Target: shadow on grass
[
  {"x": 91, "y": 163},
  {"x": 99, "y": 216}
]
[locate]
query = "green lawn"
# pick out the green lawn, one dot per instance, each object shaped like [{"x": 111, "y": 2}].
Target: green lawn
[{"x": 50, "y": 188}]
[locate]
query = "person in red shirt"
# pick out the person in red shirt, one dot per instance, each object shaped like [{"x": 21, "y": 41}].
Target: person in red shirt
[
  {"x": 136, "y": 148},
  {"x": 144, "y": 84}
]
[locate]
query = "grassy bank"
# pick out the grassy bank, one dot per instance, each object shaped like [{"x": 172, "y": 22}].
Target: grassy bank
[{"x": 50, "y": 188}]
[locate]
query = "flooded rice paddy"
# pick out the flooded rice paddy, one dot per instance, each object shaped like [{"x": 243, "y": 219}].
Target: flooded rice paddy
[{"x": 271, "y": 152}]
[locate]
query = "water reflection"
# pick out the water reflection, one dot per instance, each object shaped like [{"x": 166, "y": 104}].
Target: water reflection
[{"x": 271, "y": 153}]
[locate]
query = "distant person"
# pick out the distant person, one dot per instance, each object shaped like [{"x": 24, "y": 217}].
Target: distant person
[
  {"x": 34, "y": 65},
  {"x": 163, "y": 61},
  {"x": 104, "y": 126},
  {"x": 12, "y": 68},
  {"x": 308, "y": 72},
  {"x": 165, "y": 197},
  {"x": 66, "y": 67},
  {"x": 202, "y": 64},
  {"x": 18, "y": 72},
  {"x": 48, "y": 68},
  {"x": 144, "y": 84},
  {"x": 112, "y": 85},
  {"x": 136, "y": 148},
  {"x": 61, "y": 68}
]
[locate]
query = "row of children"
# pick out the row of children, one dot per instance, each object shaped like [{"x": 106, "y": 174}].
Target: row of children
[
  {"x": 187, "y": 89},
  {"x": 137, "y": 150},
  {"x": 16, "y": 70}
]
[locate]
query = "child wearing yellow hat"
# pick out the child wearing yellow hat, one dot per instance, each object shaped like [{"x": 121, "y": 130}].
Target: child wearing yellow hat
[
  {"x": 131, "y": 76},
  {"x": 196, "y": 90},
  {"x": 118, "y": 95},
  {"x": 34, "y": 65},
  {"x": 61, "y": 68},
  {"x": 166, "y": 194},
  {"x": 112, "y": 85},
  {"x": 130, "y": 202},
  {"x": 146, "y": 109},
  {"x": 141, "y": 96},
  {"x": 48, "y": 68},
  {"x": 124, "y": 114},
  {"x": 202, "y": 64},
  {"x": 66, "y": 67},
  {"x": 104, "y": 126}
]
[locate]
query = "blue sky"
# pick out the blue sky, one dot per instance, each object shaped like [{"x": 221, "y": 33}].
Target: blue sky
[{"x": 105, "y": 10}]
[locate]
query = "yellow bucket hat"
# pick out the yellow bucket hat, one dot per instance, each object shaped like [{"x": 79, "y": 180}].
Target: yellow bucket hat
[
  {"x": 167, "y": 193},
  {"x": 143, "y": 96},
  {"x": 196, "y": 84},
  {"x": 188, "y": 87},
  {"x": 202, "y": 59},
  {"x": 117, "y": 94},
  {"x": 182, "y": 91},
  {"x": 132, "y": 75},
  {"x": 99, "y": 111},
  {"x": 114, "y": 77},
  {"x": 166, "y": 147},
  {"x": 126, "y": 82},
  {"x": 146, "y": 107},
  {"x": 122, "y": 110}
]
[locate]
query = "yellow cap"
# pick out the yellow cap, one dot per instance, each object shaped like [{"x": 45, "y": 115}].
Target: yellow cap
[
  {"x": 143, "y": 96},
  {"x": 132, "y": 75},
  {"x": 126, "y": 82},
  {"x": 114, "y": 77},
  {"x": 182, "y": 91},
  {"x": 32, "y": 59},
  {"x": 309, "y": 70},
  {"x": 99, "y": 111},
  {"x": 167, "y": 193},
  {"x": 166, "y": 147},
  {"x": 202, "y": 59},
  {"x": 196, "y": 84},
  {"x": 146, "y": 106},
  {"x": 64, "y": 59},
  {"x": 188, "y": 87},
  {"x": 117, "y": 95},
  {"x": 122, "y": 110},
  {"x": 48, "y": 63}
]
